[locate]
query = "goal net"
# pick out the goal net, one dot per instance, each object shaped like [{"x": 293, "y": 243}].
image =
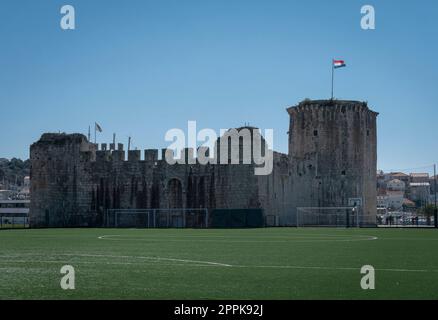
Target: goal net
[
  {"x": 328, "y": 217},
  {"x": 156, "y": 218}
]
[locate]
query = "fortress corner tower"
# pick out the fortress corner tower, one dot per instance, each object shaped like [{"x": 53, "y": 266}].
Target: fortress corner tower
[{"x": 333, "y": 155}]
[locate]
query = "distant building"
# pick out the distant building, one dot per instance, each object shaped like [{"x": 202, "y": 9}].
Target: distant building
[
  {"x": 419, "y": 177},
  {"x": 382, "y": 201},
  {"x": 396, "y": 185},
  {"x": 5, "y": 194},
  {"x": 400, "y": 176},
  {"x": 408, "y": 205},
  {"x": 395, "y": 199},
  {"x": 382, "y": 179},
  {"x": 14, "y": 212},
  {"x": 419, "y": 192},
  {"x": 26, "y": 183},
  {"x": 392, "y": 200},
  {"x": 25, "y": 190},
  {"x": 14, "y": 208}
]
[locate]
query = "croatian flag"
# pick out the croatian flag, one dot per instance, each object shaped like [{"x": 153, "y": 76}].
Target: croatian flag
[{"x": 339, "y": 64}]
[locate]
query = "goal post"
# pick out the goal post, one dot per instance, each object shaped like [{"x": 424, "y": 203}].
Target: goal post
[
  {"x": 328, "y": 217},
  {"x": 156, "y": 218}
]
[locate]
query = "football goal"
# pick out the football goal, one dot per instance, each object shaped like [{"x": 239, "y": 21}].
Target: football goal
[
  {"x": 156, "y": 218},
  {"x": 328, "y": 217}
]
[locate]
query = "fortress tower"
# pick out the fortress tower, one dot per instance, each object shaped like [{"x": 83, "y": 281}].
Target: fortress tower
[{"x": 332, "y": 149}]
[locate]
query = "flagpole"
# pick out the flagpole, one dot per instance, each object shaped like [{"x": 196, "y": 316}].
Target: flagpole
[
  {"x": 95, "y": 140},
  {"x": 333, "y": 75}
]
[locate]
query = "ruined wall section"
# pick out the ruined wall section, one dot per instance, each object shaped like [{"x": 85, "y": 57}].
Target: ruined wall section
[{"x": 60, "y": 180}]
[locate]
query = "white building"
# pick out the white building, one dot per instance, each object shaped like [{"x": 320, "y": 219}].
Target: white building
[
  {"x": 14, "y": 212},
  {"x": 5, "y": 194},
  {"x": 396, "y": 185},
  {"x": 392, "y": 200},
  {"x": 19, "y": 208}
]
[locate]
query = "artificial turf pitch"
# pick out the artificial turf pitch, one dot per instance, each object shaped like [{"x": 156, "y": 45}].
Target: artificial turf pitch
[{"x": 277, "y": 263}]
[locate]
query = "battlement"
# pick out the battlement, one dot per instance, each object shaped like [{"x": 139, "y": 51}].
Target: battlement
[
  {"x": 330, "y": 105},
  {"x": 202, "y": 156},
  {"x": 105, "y": 154},
  {"x": 63, "y": 144},
  {"x": 119, "y": 155}
]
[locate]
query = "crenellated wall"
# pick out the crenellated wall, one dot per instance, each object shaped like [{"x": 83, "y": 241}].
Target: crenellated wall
[{"x": 74, "y": 182}]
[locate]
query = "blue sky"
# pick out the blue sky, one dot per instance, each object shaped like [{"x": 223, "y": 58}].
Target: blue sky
[{"x": 140, "y": 68}]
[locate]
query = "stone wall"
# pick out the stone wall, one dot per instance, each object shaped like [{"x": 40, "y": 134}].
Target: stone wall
[{"x": 73, "y": 183}]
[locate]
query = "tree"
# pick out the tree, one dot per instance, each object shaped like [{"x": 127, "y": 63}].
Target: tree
[{"x": 14, "y": 170}]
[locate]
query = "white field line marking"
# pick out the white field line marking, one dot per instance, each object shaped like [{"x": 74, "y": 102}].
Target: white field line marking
[
  {"x": 149, "y": 258},
  {"x": 240, "y": 236},
  {"x": 178, "y": 239},
  {"x": 334, "y": 268},
  {"x": 150, "y": 263},
  {"x": 410, "y": 239},
  {"x": 207, "y": 264},
  {"x": 156, "y": 259},
  {"x": 194, "y": 263}
]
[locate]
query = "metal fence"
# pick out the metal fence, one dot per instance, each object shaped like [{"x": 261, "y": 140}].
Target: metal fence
[
  {"x": 405, "y": 219},
  {"x": 349, "y": 217},
  {"x": 7, "y": 222}
]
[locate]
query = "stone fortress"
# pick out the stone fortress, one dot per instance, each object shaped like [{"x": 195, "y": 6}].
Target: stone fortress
[{"x": 332, "y": 158}]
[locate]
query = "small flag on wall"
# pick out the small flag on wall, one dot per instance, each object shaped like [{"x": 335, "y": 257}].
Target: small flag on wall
[
  {"x": 339, "y": 64},
  {"x": 97, "y": 127}
]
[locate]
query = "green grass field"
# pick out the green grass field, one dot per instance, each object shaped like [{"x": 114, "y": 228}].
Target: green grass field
[
  {"x": 14, "y": 226},
  {"x": 283, "y": 263}
]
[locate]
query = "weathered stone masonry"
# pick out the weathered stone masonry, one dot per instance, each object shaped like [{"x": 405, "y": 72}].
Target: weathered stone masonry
[{"x": 332, "y": 157}]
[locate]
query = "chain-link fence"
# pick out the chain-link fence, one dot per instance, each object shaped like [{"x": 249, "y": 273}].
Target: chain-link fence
[
  {"x": 404, "y": 219},
  {"x": 342, "y": 217}
]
